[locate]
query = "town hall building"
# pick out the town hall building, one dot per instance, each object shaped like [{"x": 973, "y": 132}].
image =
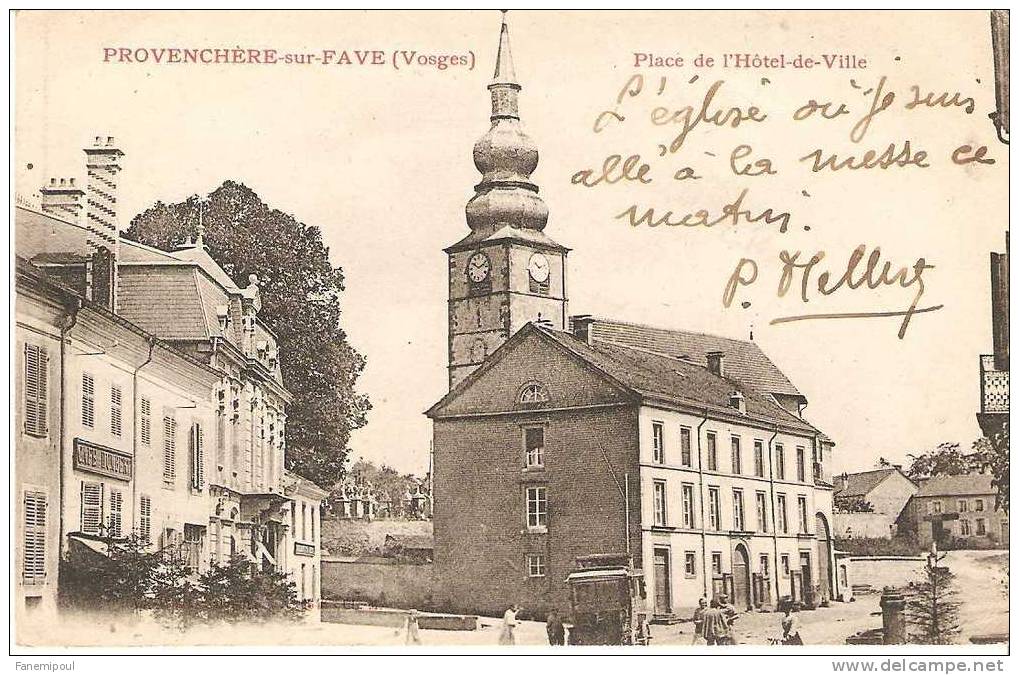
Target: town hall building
[{"x": 563, "y": 436}]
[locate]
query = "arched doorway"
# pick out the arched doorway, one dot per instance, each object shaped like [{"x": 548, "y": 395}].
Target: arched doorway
[
  {"x": 741, "y": 578},
  {"x": 824, "y": 572}
]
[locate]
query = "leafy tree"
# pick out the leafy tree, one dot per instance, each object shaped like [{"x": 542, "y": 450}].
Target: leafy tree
[
  {"x": 945, "y": 460},
  {"x": 233, "y": 592},
  {"x": 300, "y": 291},
  {"x": 853, "y": 505},
  {"x": 121, "y": 581},
  {"x": 130, "y": 579},
  {"x": 994, "y": 452},
  {"x": 931, "y": 610}
]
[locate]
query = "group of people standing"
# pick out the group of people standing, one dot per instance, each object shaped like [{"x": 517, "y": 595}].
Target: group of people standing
[{"x": 713, "y": 623}]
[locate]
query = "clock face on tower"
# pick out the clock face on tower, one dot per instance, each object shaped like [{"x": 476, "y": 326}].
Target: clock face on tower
[
  {"x": 478, "y": 267},
  {"x": 538, "y": 268}
]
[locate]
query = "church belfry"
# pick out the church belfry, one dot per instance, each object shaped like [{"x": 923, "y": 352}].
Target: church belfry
[{"x": 507, "y": 271}]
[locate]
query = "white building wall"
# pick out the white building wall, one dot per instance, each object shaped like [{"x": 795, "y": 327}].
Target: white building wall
[{"x": 681, "y": 539}]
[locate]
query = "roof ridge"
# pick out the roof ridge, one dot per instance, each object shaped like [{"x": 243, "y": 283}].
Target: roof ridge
[{"x": 604, "y": 320}]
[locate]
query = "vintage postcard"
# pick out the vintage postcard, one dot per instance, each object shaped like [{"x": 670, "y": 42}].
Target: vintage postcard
[{"x": 651, "y": 331}]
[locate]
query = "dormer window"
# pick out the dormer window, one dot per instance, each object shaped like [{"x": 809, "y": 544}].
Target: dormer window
[
  {"x": 223, "y": 313},
  {"x": 533, "y": 393}
]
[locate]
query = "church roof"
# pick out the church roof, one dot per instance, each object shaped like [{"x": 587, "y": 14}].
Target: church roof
[
  {"x": 653, "y": 377},
  {"x": 744, "y": 360}
]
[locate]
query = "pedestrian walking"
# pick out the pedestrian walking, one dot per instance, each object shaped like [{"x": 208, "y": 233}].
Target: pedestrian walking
[
  {"x": 555, "y": 629},
  {"x": 730, "y": 617},
  {"x": 791, "y": 625},
  {"x": 509, "y": 624},
  {"x": 716, "y": 626},
  {"x": 411, "y": 627}
]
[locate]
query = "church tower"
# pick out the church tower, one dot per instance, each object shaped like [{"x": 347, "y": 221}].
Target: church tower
[{"x": 507, "y": 271}]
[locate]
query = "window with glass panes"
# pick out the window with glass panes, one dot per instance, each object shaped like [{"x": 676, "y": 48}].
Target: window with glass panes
[
  {"x": 658, "y": 442},
  {"x": 537, "y": 507},
  {"x": 534, "y": 447},
  {"x": 738, "y": 521},
  {"x": 737, "y": 456},
  {"x": 660, "y": 506},
  {"x": 762, "y": 511},
  {"x": 535, "y": 565},
  {"x": 688, "y": 507},
  {"x": 714, "y": 509},
  {"x": 781, "y": 515},
  {"x": 684, "y": 446},
  {"x": 759, "y": 458},
  {"x": 712, "y": 441}
]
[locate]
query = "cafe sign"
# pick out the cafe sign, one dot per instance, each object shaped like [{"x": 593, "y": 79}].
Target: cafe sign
[
  {"x": 303, "y": 549},
  {"x": 102, "y": 460}
]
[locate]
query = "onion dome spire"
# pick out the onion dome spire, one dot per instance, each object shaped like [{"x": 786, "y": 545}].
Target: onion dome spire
[{"x": 506, "y": 157}]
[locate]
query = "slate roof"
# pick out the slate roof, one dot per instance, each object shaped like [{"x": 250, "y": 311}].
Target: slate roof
[
  {"x": 744, "y": 360},
  {"x": 50, "y": 238},
  {"x": 963, "y": 484},
  {"x": 167, "y": 304},
  {"x": 860, "y": 484},
  {"x": 652, "y": 374},
  {"x": 174, "y": 295}
]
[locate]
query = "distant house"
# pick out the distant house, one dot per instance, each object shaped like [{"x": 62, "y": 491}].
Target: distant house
[
  {"x": 871, "y": 503},
  {"x": 958, "y": 512}
]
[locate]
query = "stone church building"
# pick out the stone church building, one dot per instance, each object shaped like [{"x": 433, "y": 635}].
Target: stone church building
[{"x": 564, "y": 436}]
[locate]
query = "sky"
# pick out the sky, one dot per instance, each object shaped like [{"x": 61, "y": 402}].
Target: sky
[{"x": 380, "y": 160}]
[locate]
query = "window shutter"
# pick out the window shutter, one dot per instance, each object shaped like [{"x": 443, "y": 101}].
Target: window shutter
[
  {"x": 34, "y": 562},
  {"x": 116, "y": 512},
  {"x": 146, "y": 421},
  {"x": 88, "y": 400},
  {"x": 197, "y": 457},
  {"x": 36, "y": 385},
  {"x": 91, "y": 507},
  {"x": 145, "y": 519},
  {"x": 116, "y": 413},
  {"x": 169, "y": 448}
]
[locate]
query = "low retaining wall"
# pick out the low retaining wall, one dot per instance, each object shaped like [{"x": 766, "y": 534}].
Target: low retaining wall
[
  {"x": 378, "y": 581},
  {"x": 886, "y": 570},
  {"x": 394, "y": 618}
]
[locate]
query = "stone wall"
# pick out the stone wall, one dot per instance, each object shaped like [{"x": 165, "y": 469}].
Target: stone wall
[{"x": 380, "y": 582}]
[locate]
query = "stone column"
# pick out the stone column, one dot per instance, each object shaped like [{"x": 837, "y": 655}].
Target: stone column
[{"x": 893, "y": 618}]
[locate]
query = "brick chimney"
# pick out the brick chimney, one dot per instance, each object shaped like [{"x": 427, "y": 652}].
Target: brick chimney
[
  {"x": 62, "y": 200},
  {"x": 716, "y": 363},
  {"x": 582, "y": 326},
  {"x": 101, "y": 219}
]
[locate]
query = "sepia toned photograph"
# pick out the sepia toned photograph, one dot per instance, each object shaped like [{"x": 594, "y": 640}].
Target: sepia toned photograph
[{"x": 511, "y": 332}]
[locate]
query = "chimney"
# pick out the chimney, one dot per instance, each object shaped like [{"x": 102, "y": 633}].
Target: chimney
[
  {"x": 62, "y": 200},
  {"x": 101, "y": 219},
  {"x": 716, "y": 363},
  {"x": 737, "y": 401},
  {"x": 582, "y": 326}
]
